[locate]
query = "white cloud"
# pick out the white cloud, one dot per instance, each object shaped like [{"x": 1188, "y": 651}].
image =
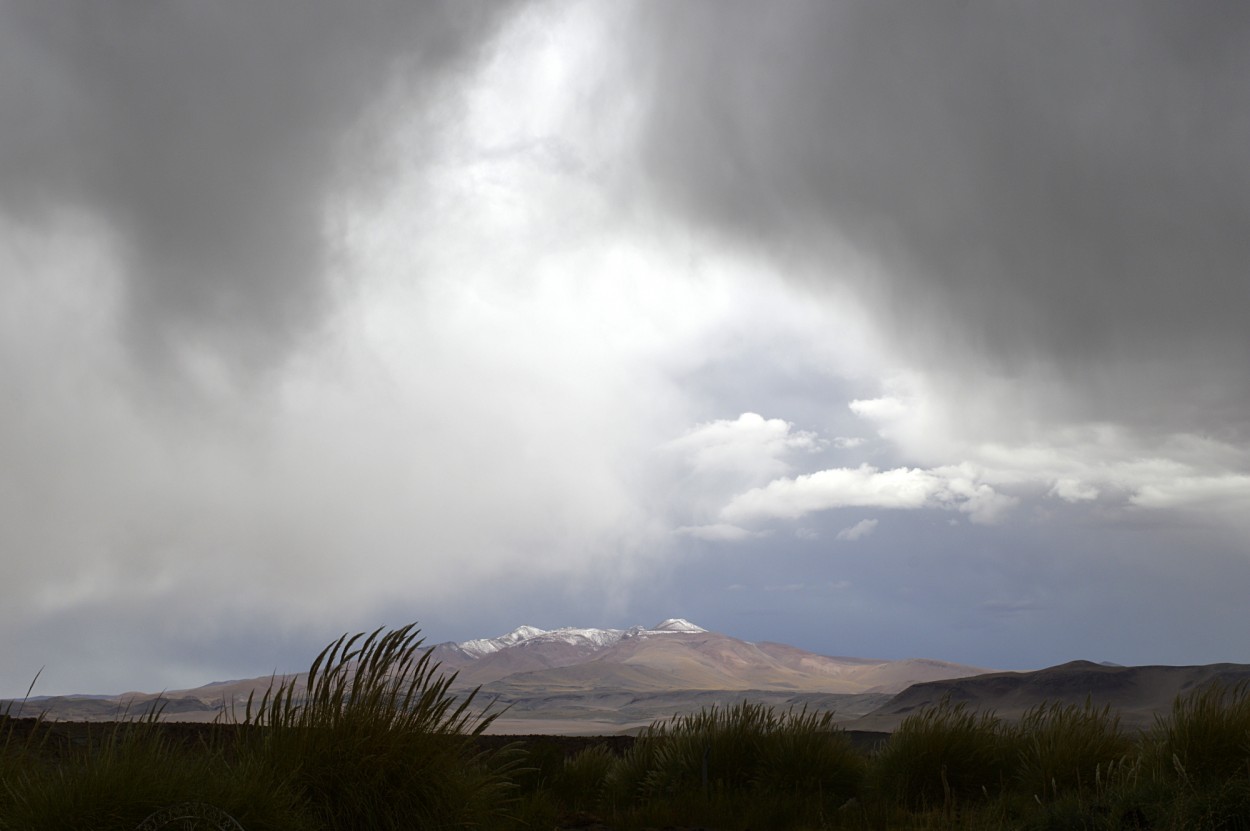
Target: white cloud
[
  {"x": 860, "y": 487},
  {"x": 848, "y": 442},
  {"x": 717, "y": 459},
  {"x": 838, "y": 488},
  {"x": 859, "y": 530},
  {"x": 867, "y": 487},
  {"x": 1078, "y": 463},
  {"x": 883, "y": 409},
  {"x": 1101, "y": 462},
  {"x": 963, "y": 490},
  {"x": 721, "y": 532},
  {"x": 1071, "y": 489},
  {"x": 1227, "y": 491},
  {"x": 749, "y": 444}
]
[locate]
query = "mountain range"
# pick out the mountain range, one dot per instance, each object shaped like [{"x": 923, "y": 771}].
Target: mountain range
[
  {"x": 588, "y": 675},
  {"x": 577, "y": 680},
  {"x": 672, "y": 655}
]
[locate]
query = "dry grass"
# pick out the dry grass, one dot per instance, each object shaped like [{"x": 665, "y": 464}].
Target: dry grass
[{"x": 378, "y": 741}]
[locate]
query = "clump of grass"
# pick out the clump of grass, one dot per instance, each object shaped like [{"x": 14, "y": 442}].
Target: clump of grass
[
  {"x": 746, "y": 765},
  {"x": 378, "y": 740},
  {"x": 625, "y": 783},
  {"x": 1222, "y": 804},
  {"x": 18, "y": 753},
  {"x": 806, "y": 753},
  {"x": 1064, "y": 748},
  {"x": 716, "y": 748},
  {"x": 942, "y": 755},
  {"x": 750, "y": 746},
  {"x": 1206, "y": 737},
  {"x": 580, "y": 783},
  {"x": 129, "y": 769}
]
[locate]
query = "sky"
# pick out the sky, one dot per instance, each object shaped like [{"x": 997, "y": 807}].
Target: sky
[{"x": 880, "y": 329}]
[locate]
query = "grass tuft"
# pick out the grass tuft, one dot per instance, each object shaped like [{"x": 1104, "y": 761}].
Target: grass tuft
[
  {"x": 127, "y": 770},
  {"x": 1206, "y": 737},
  {"x": 377, "y": 734},
  {"x": 746, "y": 765},
  {"x": 1067, "y": 748},
  {"x": 944, "y": 755},
  {"x": 377, "y": 740}
]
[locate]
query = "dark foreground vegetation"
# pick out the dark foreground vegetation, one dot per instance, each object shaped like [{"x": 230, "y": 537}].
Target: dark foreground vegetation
[{"x": 380, "y": 743}]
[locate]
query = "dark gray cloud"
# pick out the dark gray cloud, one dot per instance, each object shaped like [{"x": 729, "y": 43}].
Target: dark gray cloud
[
  {"x": 1059, "y": 189},
  {"x": 547, "y": 425},
  {"x": 207, "y": 137}
]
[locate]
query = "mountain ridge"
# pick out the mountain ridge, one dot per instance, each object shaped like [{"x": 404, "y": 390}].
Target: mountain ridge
[
  {"x": 674, "y": 654},
  {"x": 1137, "y": 693},
  {"x": 671, "y": 664}
]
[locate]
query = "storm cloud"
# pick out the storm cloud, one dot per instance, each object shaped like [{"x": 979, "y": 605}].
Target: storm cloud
[
  {"x": 877, "y": 328},
  {"x": 208, "y": 139},
  {"x": 1056, "y": 193}
]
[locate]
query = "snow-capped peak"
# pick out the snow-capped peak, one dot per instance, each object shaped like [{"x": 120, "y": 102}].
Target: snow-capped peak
[
  {"x": 523, "y": 633},
  {"x": 593, "y": 638},
  {"x": 485, "y": 646},
  {"x": 678, "y": 624}
]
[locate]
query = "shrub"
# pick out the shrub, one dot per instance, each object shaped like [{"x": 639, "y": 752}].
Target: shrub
[
  {"x": 745, "y": 751},
  {"x": 1222, "y": 805},
  {"x": 1063, "y": 748},
  {"x": 130, "y": 769},
  {"x": 626, "y": 781},
  {"x": 807, "y": 754},
  {"x": 714, "y": 749},
  {"x": 378, "y": 741},
  {"x": 580, "y": 782},
  {"x": 943, "y": 754},
  {"x": 1206, "y": 736}
]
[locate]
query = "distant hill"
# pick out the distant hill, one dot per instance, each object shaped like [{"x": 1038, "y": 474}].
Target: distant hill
[{"x": 1137, "y": 693}]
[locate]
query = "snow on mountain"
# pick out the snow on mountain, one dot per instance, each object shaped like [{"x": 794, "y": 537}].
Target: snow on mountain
[
  {"x": 485, "y": 646},
  {"x": 672, "y": 654},
  {"x": 678, "y": 624},
  {"x": 574, "y": 636}
]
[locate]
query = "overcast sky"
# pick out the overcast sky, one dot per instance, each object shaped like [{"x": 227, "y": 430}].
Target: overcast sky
[{"x": 881, "y": 329}]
